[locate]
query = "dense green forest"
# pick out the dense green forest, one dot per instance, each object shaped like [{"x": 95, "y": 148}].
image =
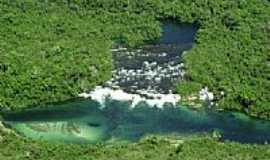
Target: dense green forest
[
  {"x": 152, "y": 147},
  {"x": 50, "y": 53},
  {"x": 51, "y": 50}
]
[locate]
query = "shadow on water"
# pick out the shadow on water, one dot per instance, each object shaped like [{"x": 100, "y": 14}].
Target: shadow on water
[
  {"x": 176, "y": 38},
  {"x": 157, "y": 65},
  {"x": 85, "y": 121},
  {"x": 178, "y": 33}
]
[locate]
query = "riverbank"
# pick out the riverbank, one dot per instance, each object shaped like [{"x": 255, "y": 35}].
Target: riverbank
[
  {"x": 51, "y": 51},
  {"x": 149, "y": 148},
  {"x": 57, "y": 68},
  {"x": 213, "y": 62},
  {"x": 88, "y": 121}
]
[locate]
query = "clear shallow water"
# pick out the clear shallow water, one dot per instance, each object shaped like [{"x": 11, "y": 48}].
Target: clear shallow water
[
  {"x": 152, "y": 68},
  {"x": 85, "y": 121}
]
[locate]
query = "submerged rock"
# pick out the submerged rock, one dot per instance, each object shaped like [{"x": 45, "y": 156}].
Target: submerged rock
[
  {"x": 66, "y": 131},
  {"x": 61, "y": 124}
]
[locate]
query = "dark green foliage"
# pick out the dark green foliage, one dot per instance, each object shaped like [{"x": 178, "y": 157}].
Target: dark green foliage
[
  {"x": 231, "y": 54},
  {"x": 50, "y": 53},
  {"x": 189, "y": 88},
  {"x": 46, "y": 57},
  {"x": 158, "y": 148},
  {"x": 50, "y": 50}
]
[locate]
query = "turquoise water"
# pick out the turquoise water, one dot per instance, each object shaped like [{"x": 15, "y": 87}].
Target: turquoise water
[{"x": 85, "y": 121}]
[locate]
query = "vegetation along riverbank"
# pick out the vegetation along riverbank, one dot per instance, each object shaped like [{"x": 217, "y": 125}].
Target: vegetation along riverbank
[
  {"x": 53, "y": 50},
  {"x": 153, "y": 147}
]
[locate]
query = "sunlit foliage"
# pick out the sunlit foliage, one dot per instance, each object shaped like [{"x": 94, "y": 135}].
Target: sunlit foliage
[
  {"x": 153, "y": 147},
  {"x": 50, "y": 52}
]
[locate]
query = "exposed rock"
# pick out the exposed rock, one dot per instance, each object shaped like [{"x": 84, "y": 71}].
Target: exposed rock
[
  {"x": 205, "y": 95},
  {"x": 4, "y": 129}
]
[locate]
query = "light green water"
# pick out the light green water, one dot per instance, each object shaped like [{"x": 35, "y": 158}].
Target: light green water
[{"x": 84, "y": 121}]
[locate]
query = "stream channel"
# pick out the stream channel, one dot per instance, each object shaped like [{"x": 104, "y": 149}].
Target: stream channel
[{"x": 138, "y": 101}]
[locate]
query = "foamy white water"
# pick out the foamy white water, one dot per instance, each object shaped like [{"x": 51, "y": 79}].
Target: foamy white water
[
  {"x": 153, "y": 99},
  {"x": 143, "y": 80}
]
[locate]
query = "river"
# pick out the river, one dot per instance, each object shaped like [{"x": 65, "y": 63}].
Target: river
[{"x": 139, "y": 100}]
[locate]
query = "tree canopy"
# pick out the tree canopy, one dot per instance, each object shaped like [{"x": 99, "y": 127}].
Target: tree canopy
[{"x": 52, "y": 50}]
